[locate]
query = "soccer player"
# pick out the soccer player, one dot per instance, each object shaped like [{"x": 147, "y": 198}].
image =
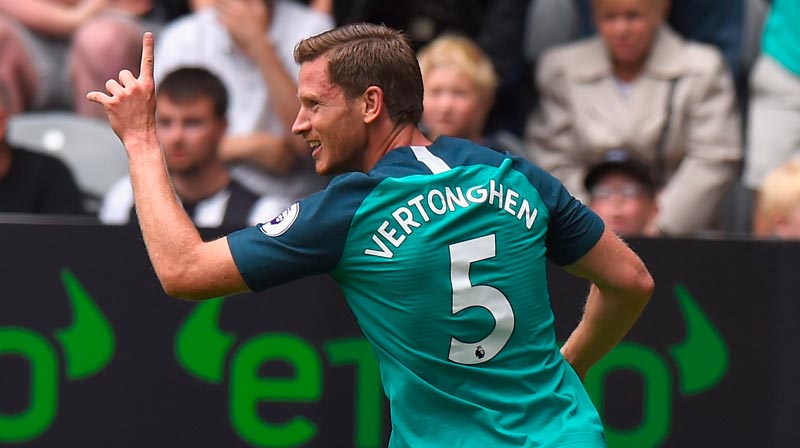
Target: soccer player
[{"x": 440, "y": 249}]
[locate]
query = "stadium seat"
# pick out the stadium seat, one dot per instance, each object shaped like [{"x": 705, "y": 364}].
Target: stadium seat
[{"x": 87, "y": 145}]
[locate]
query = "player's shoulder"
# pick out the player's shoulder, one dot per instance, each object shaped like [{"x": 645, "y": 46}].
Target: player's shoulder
[
  {"x": 342, "y": 196},
  {"x": 460, "y": 152}
]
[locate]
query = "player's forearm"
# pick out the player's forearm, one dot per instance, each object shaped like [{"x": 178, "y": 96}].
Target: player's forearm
[
  {"x": 607, "y": 318},
  {"x": 170, "y": 236},
  {"x": 186, "y": 266}
]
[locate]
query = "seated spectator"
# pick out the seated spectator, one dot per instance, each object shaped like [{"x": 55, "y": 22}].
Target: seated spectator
[
  {"x": 773, "y": 131},
  {"x": 709, "y": 21},
  {"x": 249, "y": 45},
  {"x": 55, "y": 51},
  {"x": 638, "y": 85},
  {"x": 623, "y": 193},
  {"x": 777, "y": 213},
  {"x": 496, "y": 26},
  {"x": 32, "y": 182},
  {"x": 460, "y": 83},
  {"x": 190, "y": 123}
]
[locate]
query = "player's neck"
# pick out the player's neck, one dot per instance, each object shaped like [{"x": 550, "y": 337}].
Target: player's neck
[{"x": 397, "y": 136}]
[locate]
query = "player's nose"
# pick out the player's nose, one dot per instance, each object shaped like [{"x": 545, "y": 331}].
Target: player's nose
[{"x": 301, "y": 123}]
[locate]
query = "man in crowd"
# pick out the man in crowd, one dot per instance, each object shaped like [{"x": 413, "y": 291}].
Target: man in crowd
[
  {"x": 191, "y": 123},
  {"x": 622, "y": 192}
]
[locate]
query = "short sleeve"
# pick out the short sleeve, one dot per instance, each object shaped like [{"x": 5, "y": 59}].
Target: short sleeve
[
  {"x": 305, "y": 239},
  {"x": 573, "y": 228}
]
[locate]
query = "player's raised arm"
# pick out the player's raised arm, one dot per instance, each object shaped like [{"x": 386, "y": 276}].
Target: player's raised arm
[
  {"x": 620, "y": 290},
  {"x": 186, "y": 266}
]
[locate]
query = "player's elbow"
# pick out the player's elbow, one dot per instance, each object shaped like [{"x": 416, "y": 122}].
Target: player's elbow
[
  {"x": 178, "y": 289},
  {"x": 182, "y": 292},
  {"x": 180, "y": 284},
  {"x": 641, "y": 285}
]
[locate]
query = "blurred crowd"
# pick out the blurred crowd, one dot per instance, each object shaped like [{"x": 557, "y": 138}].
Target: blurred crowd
[{"x": 669, "y": 119}]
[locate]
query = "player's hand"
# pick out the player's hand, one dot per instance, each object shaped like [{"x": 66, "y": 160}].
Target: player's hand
[{"x": 130, "y": 102}]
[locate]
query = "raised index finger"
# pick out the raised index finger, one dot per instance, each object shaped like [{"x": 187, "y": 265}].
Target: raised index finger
[{"x": 146, "y": 71}]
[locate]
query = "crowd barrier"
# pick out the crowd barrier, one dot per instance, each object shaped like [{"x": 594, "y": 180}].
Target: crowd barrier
[{"x": 94, "y": 354}]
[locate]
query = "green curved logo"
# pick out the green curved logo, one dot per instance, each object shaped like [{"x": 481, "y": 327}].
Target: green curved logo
[
  {"x": 702, "y": 357},
  {"x": 88, "y": 342},
  {"x": 201, "y": 346},
  {"x": 202, "y": 349},
  {"x": 702, "y": 360},
  {"x": 88, "y": 346}
]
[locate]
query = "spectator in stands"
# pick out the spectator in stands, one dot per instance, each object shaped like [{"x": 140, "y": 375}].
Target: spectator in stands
[
  {"x": 778, "y": 210},
  {"x": 32, "y": 182},
  {"x": 622, "y": 192},
  {"x": 54, "y": 51},
  {"x": 709, "y": 21},
  {"x": 248, "y": 44},
  {"x": 460, "y": 84},
  {"x": 773, "y": 132},
  {"x": 497, "y": 26},
  {"x": 638, "y": 85},
  {"x": 191, "y": 105}
]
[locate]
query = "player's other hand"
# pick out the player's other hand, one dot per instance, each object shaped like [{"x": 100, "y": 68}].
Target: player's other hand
[{"x": 130, "y": 102}]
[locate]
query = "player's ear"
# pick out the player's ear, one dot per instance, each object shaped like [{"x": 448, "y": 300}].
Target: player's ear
[{"x": 373, "y": 103}]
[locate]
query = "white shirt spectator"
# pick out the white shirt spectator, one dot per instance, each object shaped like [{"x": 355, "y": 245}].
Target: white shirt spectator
[{"x": 200, "y": 40}]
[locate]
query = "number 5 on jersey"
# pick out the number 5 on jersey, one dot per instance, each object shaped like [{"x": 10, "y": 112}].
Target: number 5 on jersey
[{"x": 467, "y": 295}]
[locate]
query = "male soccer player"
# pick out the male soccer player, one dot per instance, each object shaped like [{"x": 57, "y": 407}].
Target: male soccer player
[{"x": 439, "y": 248}]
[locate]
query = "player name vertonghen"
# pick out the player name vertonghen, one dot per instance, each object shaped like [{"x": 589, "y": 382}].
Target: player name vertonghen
[{"x": 440, "y": 202}]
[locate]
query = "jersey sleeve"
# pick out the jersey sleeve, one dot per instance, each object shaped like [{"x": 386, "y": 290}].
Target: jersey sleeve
[
  {"x": 573, "y": 228},
  {"x": 305, "y": 239}
]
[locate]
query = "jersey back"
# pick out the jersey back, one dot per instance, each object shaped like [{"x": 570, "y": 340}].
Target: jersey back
[{"x": 442, "y": 259}]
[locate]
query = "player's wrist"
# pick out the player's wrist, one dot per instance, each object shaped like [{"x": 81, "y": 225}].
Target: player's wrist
[{"x": 141, "y": 144}]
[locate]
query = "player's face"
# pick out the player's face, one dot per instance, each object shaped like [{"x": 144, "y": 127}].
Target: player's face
[
  {"x": 453, "y": 104},
  {"x": 623, "y": 204},
  {"x": 189, "y": 132},
  {"x": 331, "y": 124},
  {"x": 628, "y": 27}
]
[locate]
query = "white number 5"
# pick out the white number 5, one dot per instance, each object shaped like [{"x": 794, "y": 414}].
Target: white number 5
[{"x": 467, "y": 295}]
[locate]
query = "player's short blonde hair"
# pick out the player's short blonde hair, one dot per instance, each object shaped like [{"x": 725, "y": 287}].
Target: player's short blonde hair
[
  {"x": 779, "y": 195},
  {"x": 450, "y": 50}
]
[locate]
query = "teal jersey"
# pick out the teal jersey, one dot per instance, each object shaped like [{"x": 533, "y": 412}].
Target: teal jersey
[
  {"x": 780, "y": 39},
  {"x": 441, "y": 254}
]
